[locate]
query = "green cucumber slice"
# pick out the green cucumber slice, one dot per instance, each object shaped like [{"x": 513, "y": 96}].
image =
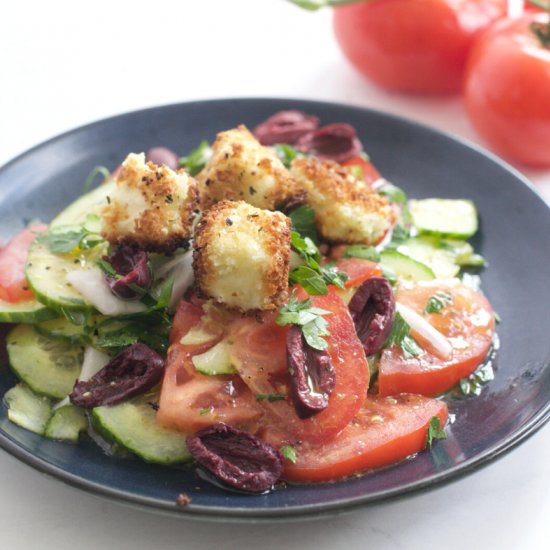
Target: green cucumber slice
[
  {"x": 133, "y": 425},
  {"x": 25, "y": 312},
  {"x": 445, "y": 217},
  {"x": 430, "y": 251},
  {"x": 217, "y": 360},
  {"x": 28, "y": 410},
  {"x": 66, "y": 424},
  {"x": 47, "y": 272},
  {"x": 405, "y": 267},
  {"x": 49, "y": 367},
  {"x": 63, "y": 329}
]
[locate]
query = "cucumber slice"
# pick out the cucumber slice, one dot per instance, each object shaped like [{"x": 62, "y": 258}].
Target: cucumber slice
[
  {"x": 28, "y": 410},
  {"x": 66, "y": 424},
  {"x": 49, "y": 367},
  {"x": 430, "y": 251},
  {"x": 47, "y": 272},
  {"x": 133, "y": 425},
  {"x": 405, "y": 267},
  {"x": 63, "y": 329},
  {"x": 446, "y": 217},
  {"x": 25, "y": 312},
  {"x": 217, "y": 360}
]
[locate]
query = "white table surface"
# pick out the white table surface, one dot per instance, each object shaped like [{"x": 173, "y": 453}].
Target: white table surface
[{"x": 63, "y": 64}]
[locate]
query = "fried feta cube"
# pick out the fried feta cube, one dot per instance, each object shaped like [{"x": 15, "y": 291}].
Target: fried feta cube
[
  {"x": 240, "y": 168},
  {"x": 152, "y": 206},
  {"x": 346, "y": 209},
  {"x": 241, "y": 256}
]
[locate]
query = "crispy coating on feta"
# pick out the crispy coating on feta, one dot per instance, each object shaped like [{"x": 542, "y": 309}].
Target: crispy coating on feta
[
  {"x": 346, "y": 209},
  {"x": 240, "y": 168},
  {"x": 241, "y": 256},
  {"x": 152, "y": 207}
]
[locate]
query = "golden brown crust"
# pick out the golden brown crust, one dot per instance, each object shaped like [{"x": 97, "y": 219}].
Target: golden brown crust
[
  {"x": 152, "y": 207},
  {"x": 346, "y": 209},
  {"x": 242, "y": 169},
  {"x": 221, "y": 265}
]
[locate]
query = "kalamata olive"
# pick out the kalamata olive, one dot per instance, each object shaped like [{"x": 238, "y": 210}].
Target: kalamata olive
[
  {"x": 372, "y": 309},
  {"x": 285, "y": 127},
  {"x": 132, "y": 266},
  {"x": 237, "y": 458},
  {"x": 312, "y": 375},
  {"x": 337, "y": 142},
  {"x": 162, "y": 155},
  {"x": 133, "y": 371}
]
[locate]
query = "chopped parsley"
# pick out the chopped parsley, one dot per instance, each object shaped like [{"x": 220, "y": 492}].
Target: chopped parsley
[
  {"x": 287, "y": 153},
  {"x": 303, "y": 222},
  {"x": 196, "y": 160},
  {"x": 66, "y": 238},
  {"x": 400, "y": 336},
  {"x": 434, "y": 431},
  {"x": 393, "y": 194},
  {"x": 202, "y": 412},
  {"x": 362, "y": 251},
  {"x": 271, "y": 397},
  {"x": 289, "y": 453},
  {"x": 473, "y": 384},
  {"x": 311, "y": 320},
  {"x": 438, "y": 301}
]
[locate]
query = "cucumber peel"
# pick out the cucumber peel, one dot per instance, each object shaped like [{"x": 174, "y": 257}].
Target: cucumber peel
[{"x": 27, "y": 409}]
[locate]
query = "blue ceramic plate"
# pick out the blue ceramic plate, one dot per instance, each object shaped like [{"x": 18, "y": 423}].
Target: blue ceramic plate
[{"x": 515, "y": 224}]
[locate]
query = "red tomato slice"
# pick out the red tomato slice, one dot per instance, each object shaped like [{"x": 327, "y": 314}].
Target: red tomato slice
[
  {"x": 369, "y": 173},
  {"x": 190, "y": 400},
  {"x": 468, "y": 323},
  {"x": 259, "y": 355},
  {"x": 13, "y": 257},
  {"x": 358, "y": 270},
  {"x": 385, "y": 430}
]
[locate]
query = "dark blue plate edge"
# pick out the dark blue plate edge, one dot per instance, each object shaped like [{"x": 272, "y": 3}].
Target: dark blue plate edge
[{"x": 305, "y": 511}]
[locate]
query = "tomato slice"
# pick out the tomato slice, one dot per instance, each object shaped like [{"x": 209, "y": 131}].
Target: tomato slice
[
  {"x": 384, "y": 431},
  {"x": 467, "y": 322},
  {"x": 358, "y": 270},
  {"x": 190, "y": 400},
  {"x": 13, "y": 257},
  {"x": 259, "y": 355}
]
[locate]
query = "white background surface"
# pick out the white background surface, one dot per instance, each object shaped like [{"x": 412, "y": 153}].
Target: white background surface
[{"x": 63, "y": 64}]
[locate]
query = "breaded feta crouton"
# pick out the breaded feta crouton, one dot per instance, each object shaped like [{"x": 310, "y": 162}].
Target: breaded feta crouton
[
  {"x": 152, "y": 206},
  {"x": 242, "y": 169},
  {"x": 241, "y": 256},
  {"x": 346, "y": 209}
]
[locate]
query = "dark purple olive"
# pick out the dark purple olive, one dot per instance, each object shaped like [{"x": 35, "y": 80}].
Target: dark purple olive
[
  {"x": 237, "y": 458},
  {"x": 285, "y": 127},
  {"x": 337, "y": 142},
  {"x": 162, "y": 155},
  {"x": 133, "y": 371},
  {"x": 372, "y": 309},
  {"x": 312, "y": 375},
  {"x": 132, "y": 266}
]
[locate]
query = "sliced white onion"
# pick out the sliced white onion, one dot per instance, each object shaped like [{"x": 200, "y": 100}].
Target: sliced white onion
[
  {"x": 94, "y": 361},
  {"x": 424, "y": 329},
  {"x": 181, "y": 268},
  {"x": 91, "y": 284}
]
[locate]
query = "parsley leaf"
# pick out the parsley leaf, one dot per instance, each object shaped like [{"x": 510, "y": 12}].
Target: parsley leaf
[
  {"x": 434, "y": 431},
  {"x": 310, "y": 319},
  {"x": 303, "y": 222},
  {"x": 271, "y": 397},
  {"x": 362, "y": 251},
  {"x": 66, "y": 238},
  {"x": 400, "y": 336},
  {"x": 287, "y": 153},
  {"x": 289, "y": 453},
  {"x": 473, "y": 384},
  {"x": 107, "y": 268},
  {"x": 399, "y": 236},
  {"x": 438, "y": 301},
  {"x": 393, "y": 194},
  {"x": 196, "y": 160}
]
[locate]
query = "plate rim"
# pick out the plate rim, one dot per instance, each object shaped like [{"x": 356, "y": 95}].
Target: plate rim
[{"x": 304, "y": 511}]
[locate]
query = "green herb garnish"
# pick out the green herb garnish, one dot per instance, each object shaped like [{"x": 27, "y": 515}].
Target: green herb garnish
[
  {"x": 97, "y": 171},
  {"x": 287, "y": 153},
  {"x": 475, "y": 382},
  {"x": 362, "y": 251},
  {"x": 393, "y": 194},
  {"x": 303, "y": 222},
  {"x": 438, "y": 301},
  {"x": 310, "y": 319},
  {"x": 400, "y": 336},
  {"x": 196, "y": 160},
  {"x": 289, "y": 453},
  {"x": 434, "y": 431},
  {"x": 271, "y": 397},
  {"x": 66, "y": 238}
]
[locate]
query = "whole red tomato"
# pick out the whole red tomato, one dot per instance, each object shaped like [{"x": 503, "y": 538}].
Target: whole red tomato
[
  {"x": 507, "y": 89},
  {"x": 413, "y": 45}
]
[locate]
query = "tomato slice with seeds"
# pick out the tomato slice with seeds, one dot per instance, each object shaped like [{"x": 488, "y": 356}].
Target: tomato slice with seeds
[
  {"x": 386, "y": 430},
  {"x": 190, "y": 400},
  {"x": 13, "y": 257},
  {"x": 259, "y": 355},
  {"x": 467, "y": 322}
]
